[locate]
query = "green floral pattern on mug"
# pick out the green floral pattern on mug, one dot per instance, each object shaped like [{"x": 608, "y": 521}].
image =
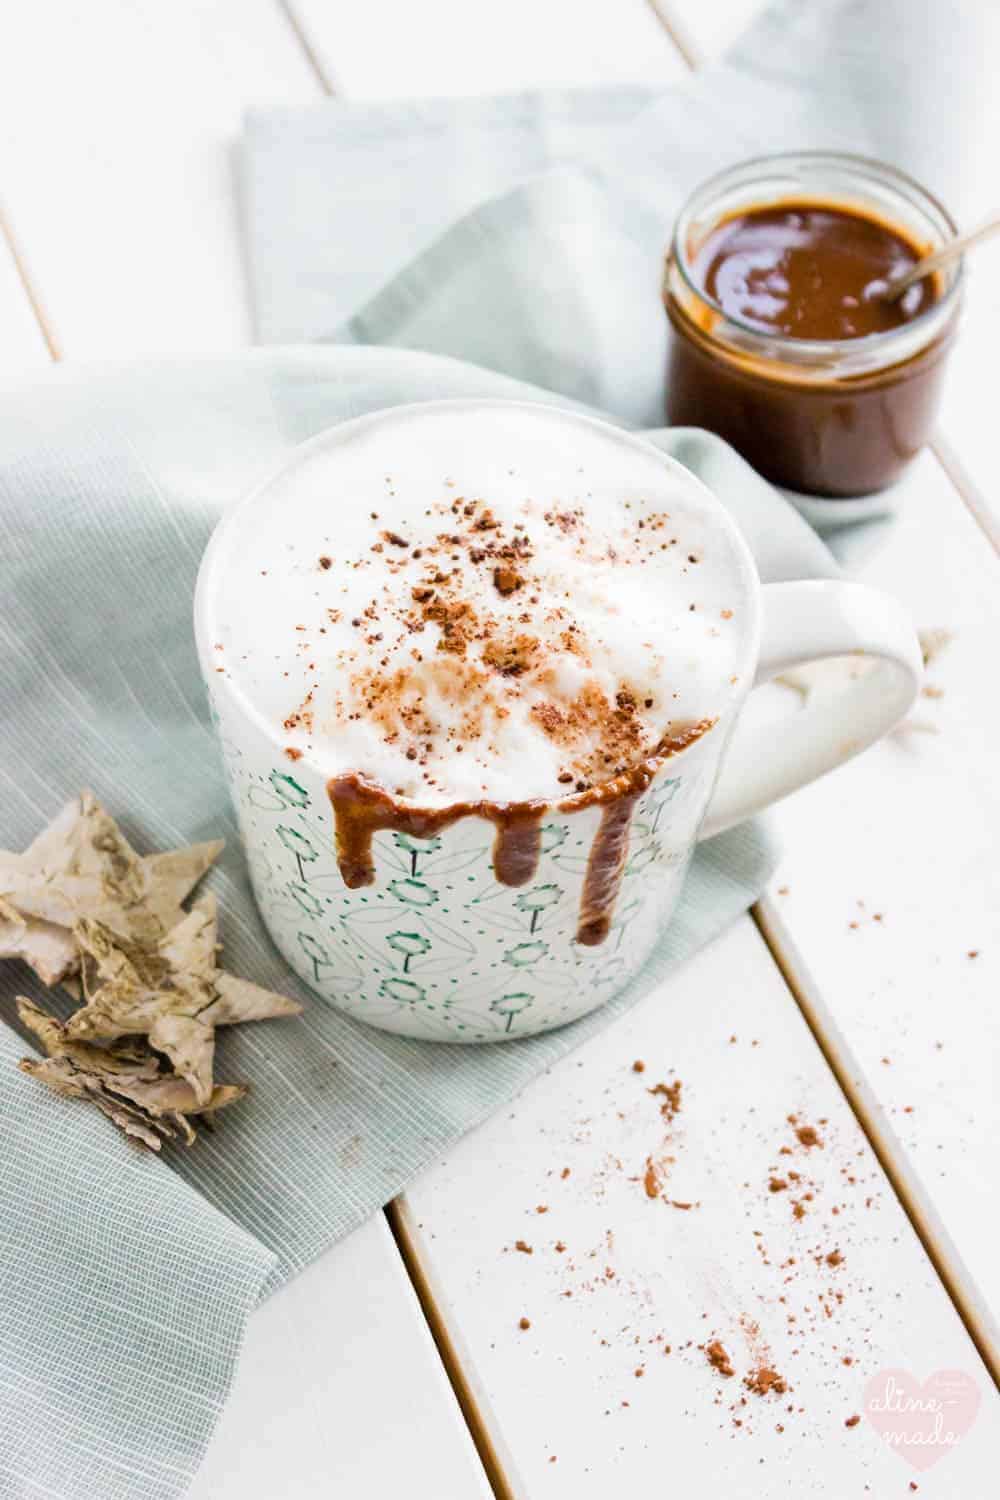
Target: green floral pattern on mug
[{"x": 436, "y": 947}]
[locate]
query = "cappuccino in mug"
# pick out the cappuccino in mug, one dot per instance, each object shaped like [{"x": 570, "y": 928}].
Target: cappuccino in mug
[{"x": 474, "y": 665}]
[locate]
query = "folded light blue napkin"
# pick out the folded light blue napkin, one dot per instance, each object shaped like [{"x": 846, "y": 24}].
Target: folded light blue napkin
[{"x": 520, "y": 234}]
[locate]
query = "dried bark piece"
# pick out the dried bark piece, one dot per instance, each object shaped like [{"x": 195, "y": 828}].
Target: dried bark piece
[
  {"x": 124, "y": 1081},
  {"x": 190, "y": 1045},
  {"x": 172, "y": 993},
  {"x": 50, "y": 950},
  {"x": 82, "y": 864}
]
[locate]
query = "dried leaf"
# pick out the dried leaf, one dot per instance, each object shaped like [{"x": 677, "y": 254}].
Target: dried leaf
[
  {"x": 50, "y": 950},
  {"x": 239, "y": 1000},
  {"x": 125, "y": 1081},
  {"x": 83, "y": 908},
  {"x": 130, "y": 1057},
  {"x": 190, "y": 1046},
  {"x": 172, "y": 993},
  {"x": 82, "y": 865},
  {"x": 59, "y": 1075}
]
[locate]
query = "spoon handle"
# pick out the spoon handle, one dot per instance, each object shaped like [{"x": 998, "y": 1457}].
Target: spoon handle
[{"x": 941, "y": 257}]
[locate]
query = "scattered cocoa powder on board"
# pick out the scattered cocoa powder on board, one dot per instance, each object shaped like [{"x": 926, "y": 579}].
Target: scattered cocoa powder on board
[
  {"x": 764, "y": 1380},
  {"x": 651, "y": 1179},
  {"x": 718, "y": 1358},
  {"x": 523, "y": 1247},
  {"x": 524, "y": 1323},
  {"x": 638, "y": 1066},
  {"x": 671, "y": 1096},
  {"x": 852, "y": 1421}
]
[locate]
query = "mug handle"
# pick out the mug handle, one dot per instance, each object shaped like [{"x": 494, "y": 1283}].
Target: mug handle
[{"x": 805, "y": 622}]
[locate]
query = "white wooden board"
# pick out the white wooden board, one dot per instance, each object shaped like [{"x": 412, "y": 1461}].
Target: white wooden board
[
  {"x": 22, "y": 346},
  {"x": 968, "y": 418},
  {"x": 117, "y": 132},
  {"x": 891, "y": 883},
  {"x": 383, "y": 49},
  {"x": 705, "y": 30},
  {"x": 341, "y": 1392},
  {"x": 637, "y": 1274}
]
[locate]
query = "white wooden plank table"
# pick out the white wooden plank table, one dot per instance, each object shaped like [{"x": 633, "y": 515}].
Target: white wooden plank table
[{"x": 122, "y": 210}]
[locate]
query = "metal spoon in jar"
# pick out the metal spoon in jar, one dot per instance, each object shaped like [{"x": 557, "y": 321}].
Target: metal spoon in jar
[{"x": 890, "y": 291}]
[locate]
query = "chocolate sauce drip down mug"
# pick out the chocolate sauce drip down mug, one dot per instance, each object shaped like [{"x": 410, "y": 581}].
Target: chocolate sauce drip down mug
[{"x": 477, "y": 669}]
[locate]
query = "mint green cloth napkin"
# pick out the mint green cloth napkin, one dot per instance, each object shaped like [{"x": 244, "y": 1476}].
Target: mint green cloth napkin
[{"x": 124, "y": 1300}]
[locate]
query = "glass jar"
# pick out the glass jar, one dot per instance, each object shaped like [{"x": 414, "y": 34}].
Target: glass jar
[{"x": 833, "y": 418}]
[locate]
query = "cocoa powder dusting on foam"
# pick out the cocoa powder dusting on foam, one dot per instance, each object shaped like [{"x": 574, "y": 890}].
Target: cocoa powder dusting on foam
[{"x": 479, "y": 588}]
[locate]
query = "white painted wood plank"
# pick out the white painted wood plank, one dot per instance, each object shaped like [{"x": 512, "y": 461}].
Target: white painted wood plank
[
  {"x": 890, "y": 888},
  {"x": 637, "y": 1274},
  {"x": 117, "y": 130},
  {"x": 383, "y": 49},
  {"x": 22, "y": 346},
  {"x": 968, "y": 417},
  {"x": 703, "y": 31},
  {"x": 340, "y": 1391}
]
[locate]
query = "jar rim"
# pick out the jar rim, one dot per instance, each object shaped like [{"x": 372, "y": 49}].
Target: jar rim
[{"x": 865, "y": 166}]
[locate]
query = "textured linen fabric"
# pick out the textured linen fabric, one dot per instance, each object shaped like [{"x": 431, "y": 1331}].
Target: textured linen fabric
[{"x": 124, "y": 1301}]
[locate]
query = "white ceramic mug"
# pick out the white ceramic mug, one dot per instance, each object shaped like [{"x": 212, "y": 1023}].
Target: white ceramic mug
[{"x": 437, "y": 948}]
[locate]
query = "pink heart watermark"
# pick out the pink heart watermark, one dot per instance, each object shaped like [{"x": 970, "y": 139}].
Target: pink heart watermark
[{"x": 921, "y": 1422}]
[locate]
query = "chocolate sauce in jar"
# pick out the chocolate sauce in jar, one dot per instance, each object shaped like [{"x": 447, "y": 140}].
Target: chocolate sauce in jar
[
  {"x": 781, "y": 340},
  {"x": 361, "y": 809},
  {"x": 810, "y": 271}
]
